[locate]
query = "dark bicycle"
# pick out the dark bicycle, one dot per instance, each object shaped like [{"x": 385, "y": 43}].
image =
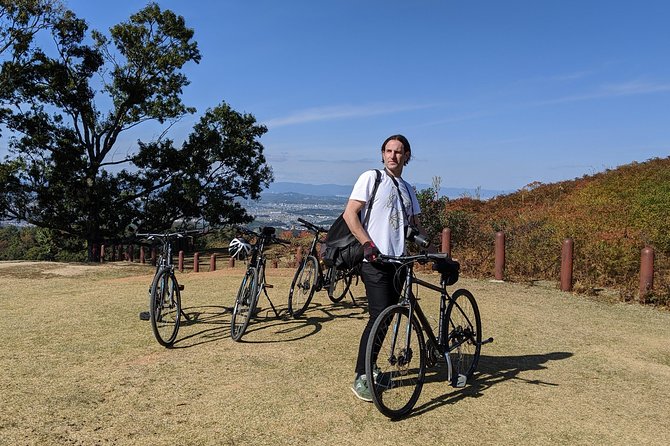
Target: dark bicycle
[
  {"x": 165, "y": 311},
  {"x": 397, "y": 353},
  {"x": 310, "y": 277},
  {"x": 253, "y": 282}
]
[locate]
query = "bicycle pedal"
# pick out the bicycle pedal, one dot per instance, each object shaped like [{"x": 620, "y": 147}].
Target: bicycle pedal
[
  {"x": 460, "y": 381},
  {"x": 269, "y": 286},
  {"x": 181, "y": 287}
]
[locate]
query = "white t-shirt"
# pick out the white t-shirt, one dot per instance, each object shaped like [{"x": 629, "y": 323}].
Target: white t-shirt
[{"x": 387, "y": 222}]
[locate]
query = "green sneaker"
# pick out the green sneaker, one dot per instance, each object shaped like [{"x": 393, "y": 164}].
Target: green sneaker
[{"x": 361, "y": 389}]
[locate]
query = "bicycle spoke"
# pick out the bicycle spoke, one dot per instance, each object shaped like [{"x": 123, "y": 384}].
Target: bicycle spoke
[
  {"x": 303, "y": 286},
  {"x": 464, "y": 335},
  {"x": 244, "y": 304},
  {"x": 165, "y": 307},
  {"x": 395, "y": 358}
]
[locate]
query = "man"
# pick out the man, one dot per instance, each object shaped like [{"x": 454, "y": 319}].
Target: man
[{"x": 395, "y": 207}]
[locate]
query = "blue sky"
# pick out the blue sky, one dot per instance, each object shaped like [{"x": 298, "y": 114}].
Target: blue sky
[{"x": 491, "y": 93}]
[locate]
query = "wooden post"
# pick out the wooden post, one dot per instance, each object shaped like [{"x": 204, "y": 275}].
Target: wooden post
[
  {"x": 102, "y": 253},
  {"x": 231, "y": 262},
  {"x": 298, "y": 256},
  {"x": 154, "y": 255},
  {"x": 566, "y": 264},
  {"x": 275, "y": 263},
  {"x": 446, "y": 241},
  {"x": 181, "y": 262},
  {"x": 646, "y": 273},
  {"x": 500, "y": 256},
  {"x": 212, "y": 262},
  {"x": 131, "y": 253},
  {"x": 196, "y": 262}
]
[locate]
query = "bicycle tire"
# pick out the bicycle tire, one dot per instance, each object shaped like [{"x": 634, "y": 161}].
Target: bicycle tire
[
  {"x": 397, "y": 373},
  {"x": 339, "y": 284},
  {"x": 165, "y": 307},
  {"x": 303, "y": 286},
  {"x": 464, "y": 334},
  {"x": 245, "y": 302}
]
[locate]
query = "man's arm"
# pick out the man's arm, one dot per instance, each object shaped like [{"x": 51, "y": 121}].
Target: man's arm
[{"x": 351, "y": 213}]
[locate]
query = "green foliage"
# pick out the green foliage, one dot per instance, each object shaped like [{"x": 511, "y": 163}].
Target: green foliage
[
  {"x": 32, "y": 243},
  {"x": 433, "y": 218},
  {"x": 64, "y": 172}
]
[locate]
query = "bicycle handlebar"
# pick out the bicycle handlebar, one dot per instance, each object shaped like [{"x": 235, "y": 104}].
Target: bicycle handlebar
[
  {"x": 169, "y": 235},
  {"x": 258, "y": 234},
  {"x": 312, "y": 226},
  {"x": 421, "y": 258}
]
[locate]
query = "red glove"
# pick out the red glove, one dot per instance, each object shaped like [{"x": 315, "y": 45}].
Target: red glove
[{"x": 370, "y": 251}]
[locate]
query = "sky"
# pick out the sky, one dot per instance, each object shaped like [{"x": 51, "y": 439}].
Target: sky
[{"x": 490, "y": 93}]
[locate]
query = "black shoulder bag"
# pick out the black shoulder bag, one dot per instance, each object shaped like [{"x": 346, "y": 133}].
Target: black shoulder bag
[{"x": 342, "y": 248}]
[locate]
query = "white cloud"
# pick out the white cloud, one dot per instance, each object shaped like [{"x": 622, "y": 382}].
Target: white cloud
[{"x": 340, "y": 112}]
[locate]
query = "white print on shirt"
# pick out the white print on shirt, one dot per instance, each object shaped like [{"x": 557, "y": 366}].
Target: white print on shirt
[{"x": 394, "y": 215}]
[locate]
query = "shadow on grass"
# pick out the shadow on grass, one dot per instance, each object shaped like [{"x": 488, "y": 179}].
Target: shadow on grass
[
  {"x": 491, "y": 371},
  {"x": 310, "y": 323},
  {"x": 215, "y": 321},
  {"x": 214, "y": 325}
]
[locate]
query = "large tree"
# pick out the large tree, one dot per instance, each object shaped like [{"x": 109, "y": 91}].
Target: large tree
[{"x": 64, "y": 110}]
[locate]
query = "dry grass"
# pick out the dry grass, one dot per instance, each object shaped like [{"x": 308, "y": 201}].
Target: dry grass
[{"x": 79, "y": 367}]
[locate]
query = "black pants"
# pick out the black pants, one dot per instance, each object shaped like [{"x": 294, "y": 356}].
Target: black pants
[{"x": 382, "y": 287}]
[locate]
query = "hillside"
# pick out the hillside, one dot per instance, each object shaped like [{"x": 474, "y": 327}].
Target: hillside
[{"x": 610, "y": 216}]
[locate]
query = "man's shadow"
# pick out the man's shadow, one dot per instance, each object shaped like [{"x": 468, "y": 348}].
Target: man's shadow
[{"x": 491, "y": 370}]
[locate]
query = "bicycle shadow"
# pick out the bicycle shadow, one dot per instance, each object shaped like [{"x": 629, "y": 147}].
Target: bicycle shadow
[
  {"x": 215, "y": 325},
  {"x": 491, "y": 371},
  {"x": 288, "y": 329},
  {"x": 216, "y": 322}
]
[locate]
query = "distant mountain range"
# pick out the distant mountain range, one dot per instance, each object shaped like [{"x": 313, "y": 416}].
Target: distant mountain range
[{"x": 338, "y": 190}]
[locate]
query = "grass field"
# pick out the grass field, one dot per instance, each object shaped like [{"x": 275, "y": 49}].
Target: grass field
[{"x": 80, "y": 368}]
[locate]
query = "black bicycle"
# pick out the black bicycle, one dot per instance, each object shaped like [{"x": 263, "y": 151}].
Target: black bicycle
[
  {"x": 165, "y": 311},
  {"x": 310, "y": 277},
  {"x": 397, "y": 353},
  {"x": 253, "y": 282}
]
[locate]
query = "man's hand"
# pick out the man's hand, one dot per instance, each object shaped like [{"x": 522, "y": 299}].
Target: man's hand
[{"x": 370, "y": 251}]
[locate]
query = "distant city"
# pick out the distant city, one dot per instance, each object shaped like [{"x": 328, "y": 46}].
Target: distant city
[{"x": 283, "y": 203}]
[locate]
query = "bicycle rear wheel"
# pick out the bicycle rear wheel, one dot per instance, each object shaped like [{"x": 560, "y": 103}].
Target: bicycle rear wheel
[
  {"x": 464, "y": 335},
  {"x": 339, "y": 284},
  {"x": 165, "y": 307},
  {"x": 303, "y": 286},
  {"x": 245, "y": 303},
  {"x": 396, "y": 363}
]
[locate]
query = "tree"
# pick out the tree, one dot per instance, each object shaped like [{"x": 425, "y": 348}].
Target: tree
[
  {"x": 22, "y": 19},
  {"x": 433, "y": 213},
  {"x": 62, "y": 173}
]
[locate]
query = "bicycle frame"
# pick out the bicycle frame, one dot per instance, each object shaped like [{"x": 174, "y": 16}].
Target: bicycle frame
[
  {"x": 258, "y": 260},
  {"x": 328, "y": 276},
  {"x": 408, "y": 299}
]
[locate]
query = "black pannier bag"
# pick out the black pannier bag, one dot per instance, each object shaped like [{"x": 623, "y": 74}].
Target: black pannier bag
[{"x": 342, "y": 248}]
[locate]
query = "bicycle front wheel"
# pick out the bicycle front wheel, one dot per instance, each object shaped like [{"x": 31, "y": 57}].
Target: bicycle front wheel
[
  {"x": 245, "y": 303},
  {"x": 165, "y": 307},
  {"x": 396, "y": 360},
  {"x": 464, "y": 335},
  {"x": 303, "y": 286},
  {"x": 340, "y": 281}
]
